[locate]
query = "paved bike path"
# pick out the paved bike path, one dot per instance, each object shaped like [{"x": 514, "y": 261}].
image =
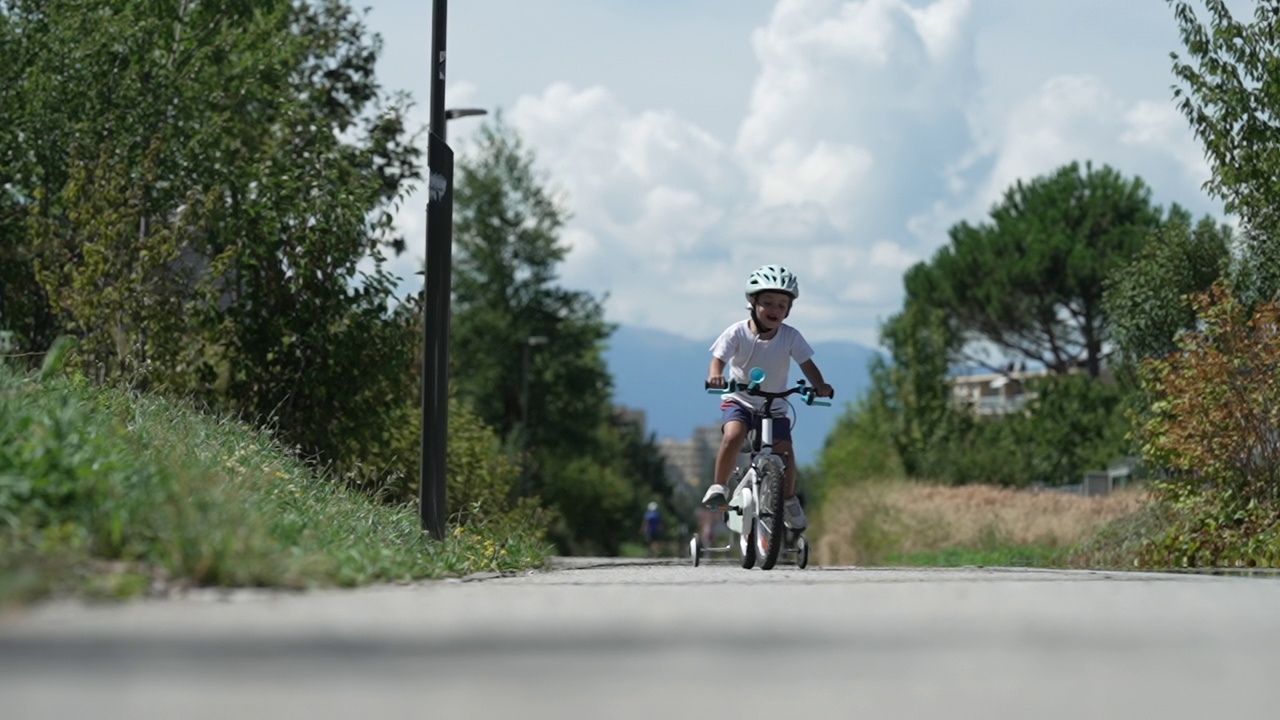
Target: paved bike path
[{"x": 599, "y": 638}]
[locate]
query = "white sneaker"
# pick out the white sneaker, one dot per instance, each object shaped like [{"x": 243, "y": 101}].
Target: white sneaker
[
  {"x": 793, "y": 514},
  {"x": 715, "y": 497}
]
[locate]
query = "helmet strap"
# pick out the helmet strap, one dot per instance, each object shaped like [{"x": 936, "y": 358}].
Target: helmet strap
[{"x": 755, "y": 319}]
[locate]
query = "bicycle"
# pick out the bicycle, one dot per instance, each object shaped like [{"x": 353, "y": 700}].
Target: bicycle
[{"x": 755, "y": 509}]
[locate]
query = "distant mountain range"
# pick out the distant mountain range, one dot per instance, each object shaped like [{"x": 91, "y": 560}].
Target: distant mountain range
[{"x": 662, "y": 374}]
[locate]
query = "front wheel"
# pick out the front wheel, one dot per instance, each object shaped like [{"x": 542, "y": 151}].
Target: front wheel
[{"x": 771, "y": 531}]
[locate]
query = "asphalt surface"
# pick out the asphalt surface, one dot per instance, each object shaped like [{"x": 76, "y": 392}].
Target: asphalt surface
[{"x": 617, "y": 639}]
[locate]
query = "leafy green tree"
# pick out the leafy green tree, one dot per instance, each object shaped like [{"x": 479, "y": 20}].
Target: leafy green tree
[
  {"x": 860, "y": 446},
  {"x": 1074, "y": 424},
  {"x": 203, "y": 186},
  {"x": 25, "y": 312},
  {"x": 601, "y": 496},
  {"x": 1030, "y": 282},
  {"x": 911, "y": 385},
  {"x": 639, "y": 456},
  {"x": 507, "y": 226},
  {"x": 585, "y": 462},
  {"x": 1228, "y": 92},
  {"x": 24, "y": 308},
  {"x": 1147, "y": 301},
  {"x": 1207, "y": 421},
  {"x": 972, "y": 450}
]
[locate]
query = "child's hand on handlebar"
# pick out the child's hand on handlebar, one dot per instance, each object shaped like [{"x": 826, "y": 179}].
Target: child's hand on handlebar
[
  {"x": 824, "y": 391},
  {"x": 717, "y": 381}
]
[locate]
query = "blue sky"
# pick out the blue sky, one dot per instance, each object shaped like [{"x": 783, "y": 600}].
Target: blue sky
[{"x": 694, "y": 140}]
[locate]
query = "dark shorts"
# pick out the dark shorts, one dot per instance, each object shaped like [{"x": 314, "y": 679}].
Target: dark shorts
[{"x": 730, "y": 410}]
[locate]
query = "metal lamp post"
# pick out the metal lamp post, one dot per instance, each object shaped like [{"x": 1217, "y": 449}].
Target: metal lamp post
[
  {"x": 432, "y": 498},
  {"x": 437, "y": 281},
  {"x": 437, "y": 287}
]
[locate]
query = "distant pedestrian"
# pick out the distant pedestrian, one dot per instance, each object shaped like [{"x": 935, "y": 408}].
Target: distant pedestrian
[{"x": 651, "y": 528}]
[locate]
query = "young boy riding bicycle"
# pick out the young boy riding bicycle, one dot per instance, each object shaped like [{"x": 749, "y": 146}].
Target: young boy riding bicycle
[{"x": 762, "y": 341}]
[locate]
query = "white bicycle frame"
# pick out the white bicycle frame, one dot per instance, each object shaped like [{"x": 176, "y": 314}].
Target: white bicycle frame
[
  {"x": 746, "y": 495},
  {"x": 753, "y": 526},
  {"x": 744, "y": 516}
]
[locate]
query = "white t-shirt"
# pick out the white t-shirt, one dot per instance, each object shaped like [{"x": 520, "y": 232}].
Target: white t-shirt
[{"x": 742, "y": 350}]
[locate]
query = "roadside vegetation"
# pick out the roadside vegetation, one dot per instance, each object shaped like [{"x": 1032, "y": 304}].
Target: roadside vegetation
[
  {"x": 899, "y": 522},
  {"x": 111, "y": 493},
  {"x": 1159, "y": 340},
  {"x": 205, "y": 199}
]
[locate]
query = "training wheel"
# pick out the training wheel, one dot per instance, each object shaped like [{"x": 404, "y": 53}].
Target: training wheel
[
  {"x": 802, "y": 553},
  {"x": 695, "y": 550},
  {"x": 747, "y": 546}
]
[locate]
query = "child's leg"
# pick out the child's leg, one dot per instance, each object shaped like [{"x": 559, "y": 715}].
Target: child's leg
[
  {"x": 782, "y": 448},
  {"x": 789, "y": 484},
  {"x": 733, "y": 429},
  {"x": 734, "y": 432},
  {"x": 794, "y": 514}
]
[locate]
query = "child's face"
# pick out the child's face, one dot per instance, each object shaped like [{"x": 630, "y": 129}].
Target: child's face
[{"x": 772, "y": 308}]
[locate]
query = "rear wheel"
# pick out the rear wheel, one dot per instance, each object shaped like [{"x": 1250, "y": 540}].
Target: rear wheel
[{"x": 771, "y": 532}]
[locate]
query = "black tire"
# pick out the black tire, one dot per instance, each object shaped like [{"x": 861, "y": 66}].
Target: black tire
[
  {"x": 695, "y": 549},
  {"x": 773, "y": 534},
  {"x": 747, "y": 545},
  {"x": 802, "y": 553}
]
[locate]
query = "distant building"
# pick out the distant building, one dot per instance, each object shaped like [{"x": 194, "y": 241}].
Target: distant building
[
  {"x": 635, "y": 416},
  {"x": 993, "y": 394},
  {"x": 690, "y": 462}
]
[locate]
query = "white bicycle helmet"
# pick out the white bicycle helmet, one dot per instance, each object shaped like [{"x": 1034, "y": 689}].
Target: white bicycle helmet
[{"x": 774, "y": 278}]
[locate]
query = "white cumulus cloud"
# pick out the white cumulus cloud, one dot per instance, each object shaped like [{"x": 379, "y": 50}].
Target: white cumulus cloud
[
  {"x": 869, "y": 128},
  {"x": 852, "y": 102}
]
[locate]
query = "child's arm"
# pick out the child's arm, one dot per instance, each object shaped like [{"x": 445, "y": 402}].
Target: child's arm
[
  {"x": 820, "y": 386},
  {"x": 715, "y": 374}
]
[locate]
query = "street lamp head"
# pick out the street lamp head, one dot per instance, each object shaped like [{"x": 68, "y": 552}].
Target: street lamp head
[{"x": 452, "y": 113}]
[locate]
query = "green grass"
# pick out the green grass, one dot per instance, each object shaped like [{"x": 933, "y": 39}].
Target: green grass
[{"x": 109, "y": 493}]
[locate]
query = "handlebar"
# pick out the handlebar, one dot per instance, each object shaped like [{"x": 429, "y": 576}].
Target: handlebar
[{"x": 807, "y": 394}]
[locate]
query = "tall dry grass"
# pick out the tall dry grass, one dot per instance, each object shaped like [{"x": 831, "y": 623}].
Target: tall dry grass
[{"x": 865, "y": 523}]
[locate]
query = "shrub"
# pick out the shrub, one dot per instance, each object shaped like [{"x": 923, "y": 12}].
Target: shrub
[{"x": 1214, "y": 430}]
